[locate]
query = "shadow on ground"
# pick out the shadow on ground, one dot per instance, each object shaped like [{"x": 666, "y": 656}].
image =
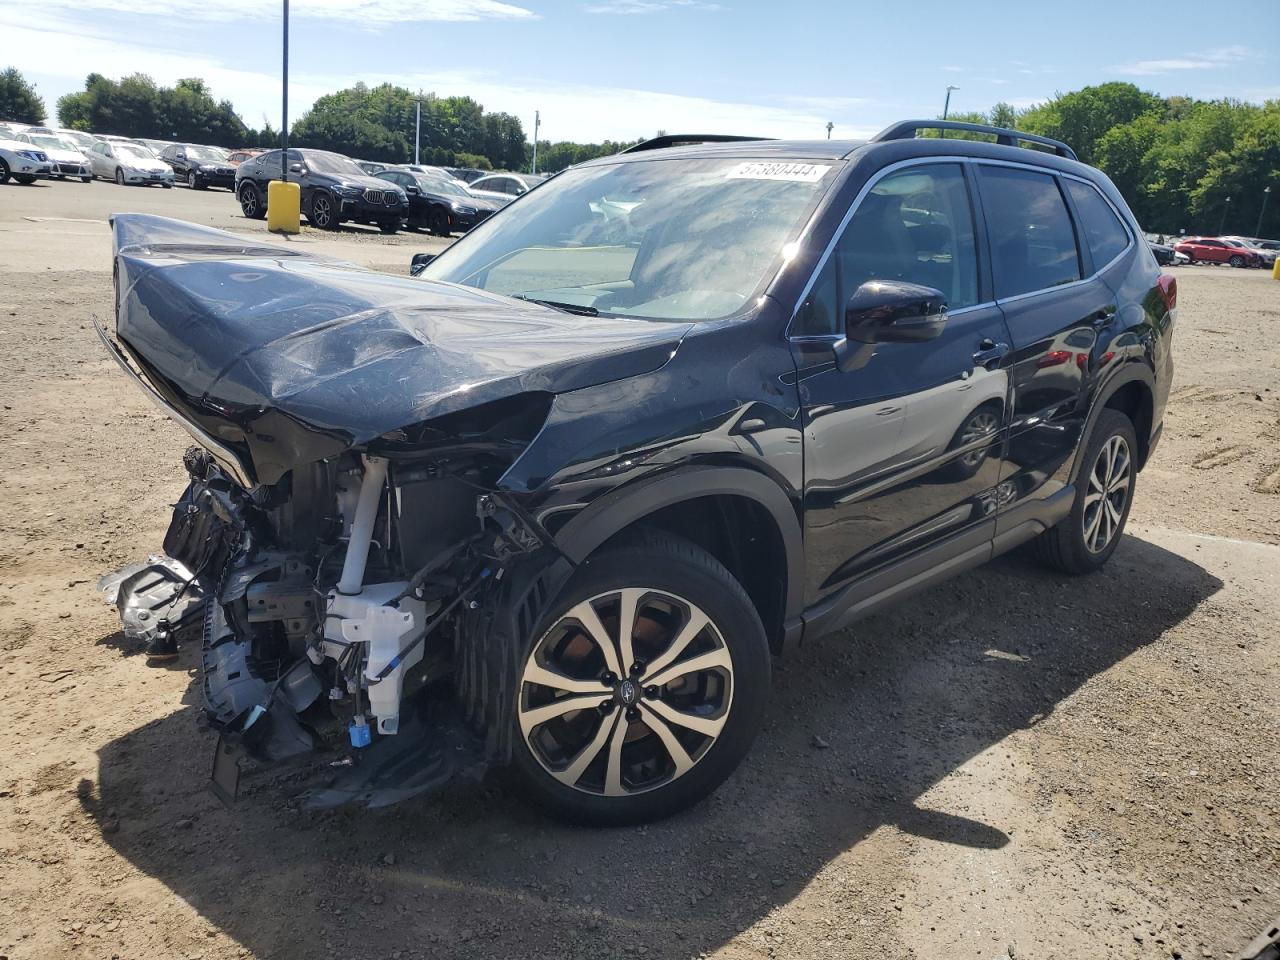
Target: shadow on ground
[{"x": 902, "y": 700}]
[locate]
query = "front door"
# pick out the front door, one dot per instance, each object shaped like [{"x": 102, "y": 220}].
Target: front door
[{"x": 903, "y": 446}]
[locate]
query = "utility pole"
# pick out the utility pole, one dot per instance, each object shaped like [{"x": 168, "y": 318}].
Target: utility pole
[
  {"x": 537, "y": 120},
  {"x": 417, "y": 132},
  {"x": 284, "y": 102},
  {"x": 830, "y": 125},
  {"x": 1223, "y": 222},
  {"x": 1266, "y": 195}
]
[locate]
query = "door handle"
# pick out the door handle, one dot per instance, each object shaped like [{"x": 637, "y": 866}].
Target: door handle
[
  {"x": 989, "y": 353},
  {"x": 888, "y": 411},
  {"x": 1103, "y": 317}
]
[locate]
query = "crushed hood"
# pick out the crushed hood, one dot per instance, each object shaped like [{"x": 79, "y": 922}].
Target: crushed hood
[{"x": 286, "y": 357}]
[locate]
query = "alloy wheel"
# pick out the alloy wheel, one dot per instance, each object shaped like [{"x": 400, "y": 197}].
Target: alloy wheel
[
  {"x": 626, "y": 692},
  {"x": 191, "y": 180},
  {"x": 1108, "y": 494},
  {"x": 980, "y": 425},
  {"x": 248, "y": 201},
  {"x": 321, "y": 211},
  {"x": 120, "y": 176}
]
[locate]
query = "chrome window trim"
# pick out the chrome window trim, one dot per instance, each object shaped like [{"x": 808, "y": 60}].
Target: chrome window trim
[{"x": 973, "y": 162}]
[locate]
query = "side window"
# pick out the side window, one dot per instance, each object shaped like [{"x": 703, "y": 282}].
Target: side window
[
  {"x": 914, "y": 225},
  {"x": 1102, "y": 228},
  {"x": 268, "y": 158},
  {"x": 1033, "y": 245}
]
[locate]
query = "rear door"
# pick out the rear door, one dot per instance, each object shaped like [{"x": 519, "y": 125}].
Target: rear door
[
  {"x": 1055, "y": 307},
  {"x": 902, "y": 448}
]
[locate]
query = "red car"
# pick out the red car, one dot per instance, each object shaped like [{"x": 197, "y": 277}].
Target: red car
[
  {"x": 1213, "y": 250},
  {"x": 237, "y": 157}
]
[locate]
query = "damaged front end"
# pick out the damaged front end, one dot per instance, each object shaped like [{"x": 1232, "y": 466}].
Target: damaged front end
[
  {"x": 345, "y": 553},
  {"x": 331, "y": 607}
]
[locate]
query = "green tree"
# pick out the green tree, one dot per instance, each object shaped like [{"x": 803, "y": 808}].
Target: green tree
[
  {"x": 1242, "y": 172},
  {"x": 18, "y": 98},
  {"x": 137, "y": 107},
  {"x": 1083, "y": 117},
  {"x": 1004, "y": 115}
]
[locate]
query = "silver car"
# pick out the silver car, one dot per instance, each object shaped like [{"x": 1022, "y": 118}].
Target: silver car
[{"x": 129, "y": 163}]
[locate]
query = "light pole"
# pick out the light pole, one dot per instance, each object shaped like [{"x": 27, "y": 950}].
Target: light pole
[
  {"x": 1266, "y": 195},
  {"x": 284, "y": 102},
  {"x": 946, "y": 106},
  {"x": 1223, "y": 222},
  {"x": 537, "y": 121},
  {"x": 417, "y": 131},
  {"x": 831, "y": 125}
]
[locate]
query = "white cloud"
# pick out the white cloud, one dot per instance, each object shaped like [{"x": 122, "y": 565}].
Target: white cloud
[
  {"x": 636, "y": 7},
  {"x": 581, "y": 112},
  {"x": 1205, "y": 60}
]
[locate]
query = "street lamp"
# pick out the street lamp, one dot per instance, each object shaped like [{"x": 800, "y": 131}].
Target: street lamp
[
  {"x": 831, "y": 125},
  {"x": 537, "y": 121},
  {"x": 946, "y": 106},
  {"x": 1266, "y": 195},
  {"x": 417, "y": 131},
  {"x": 284, "y": 102},
  {"x": 1223, "y": 222}
]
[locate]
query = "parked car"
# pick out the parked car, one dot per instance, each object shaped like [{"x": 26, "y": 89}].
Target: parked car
[
  {"x": 155, "y": 146},
  {"x": 200, "y": 167},
  {"x": 114, "y": 138},
  {"x": 556, "y": 501},
  {"x": 1214, "y": 250},
  {"x": 334, "y": 190},
  {"x": 9, "y": 131},
  {"x": 67, "y": 160},
  {"x": 237, "y": 157},
  {"x": 23, "y": 162},
  {"x": 129, "y": 163},
  {"x": 371, "y": 168},
  {"x": 77, "y": 138},
  {"x": 1266, "y": 258},
  {"x": 1166, "y": 256},
  {"x": 439, "y": 204},
  {"x": 503, "y": 187},
  {"x": 465, "y": 174}
]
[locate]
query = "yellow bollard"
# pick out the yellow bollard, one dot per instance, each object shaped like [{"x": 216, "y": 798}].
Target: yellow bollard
[
  {"x": 1275, "y": 269},
  {"x": 284, "y": 202}
]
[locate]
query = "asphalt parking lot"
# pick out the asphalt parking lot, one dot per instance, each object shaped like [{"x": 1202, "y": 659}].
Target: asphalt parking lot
[{"x": 1015, "y": 764}]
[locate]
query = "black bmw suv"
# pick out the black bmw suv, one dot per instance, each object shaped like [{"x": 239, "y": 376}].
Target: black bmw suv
[
  {"x": 557, "y": 501},
  {"x": 334, "y": 190},
  {"x": 199, "y": 167}
]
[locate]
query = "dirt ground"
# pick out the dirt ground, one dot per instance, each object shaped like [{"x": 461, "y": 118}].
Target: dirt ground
[{"x": 1015, "y": 764}]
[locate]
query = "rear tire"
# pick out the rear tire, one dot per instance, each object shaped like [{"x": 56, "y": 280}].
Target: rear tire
[
  {"x": 86, "y": 179},
  {"x": 1086, "y": 538},
  {"x": 635, "y": 752},
  {"x": 252, "y": 203}
]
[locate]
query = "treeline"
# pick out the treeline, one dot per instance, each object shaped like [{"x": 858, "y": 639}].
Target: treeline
[{"x": 1180, "y": 163}]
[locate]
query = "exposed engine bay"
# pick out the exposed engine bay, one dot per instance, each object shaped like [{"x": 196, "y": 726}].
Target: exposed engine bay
[{"x": 327, "y": 605}]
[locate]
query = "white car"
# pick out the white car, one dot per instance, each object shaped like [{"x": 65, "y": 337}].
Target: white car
[
  {"x": 23, "y": 162},
  {"x": 129, "y": 163},
  {"x": 67, "y": 160},
  {"x": 503, "y": 187},
  {"x": 77, "y": 138}
]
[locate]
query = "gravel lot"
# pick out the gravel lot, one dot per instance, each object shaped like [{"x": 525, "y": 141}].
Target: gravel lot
[{"x": 1016, "y": 764}]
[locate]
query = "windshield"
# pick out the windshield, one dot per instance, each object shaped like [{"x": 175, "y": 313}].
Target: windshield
[
  {"x": 208, "y": 154},
  {"x": 333, "y": 164},
  {"x": 441, "y": 185},
  {"x": 133, "y": 150},
  {"x": 660, "y": 239},
  {"x": 49, "y": 143}
]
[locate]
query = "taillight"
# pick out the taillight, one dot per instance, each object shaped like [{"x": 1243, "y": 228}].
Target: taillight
[{"x": 1168, "y": 291}]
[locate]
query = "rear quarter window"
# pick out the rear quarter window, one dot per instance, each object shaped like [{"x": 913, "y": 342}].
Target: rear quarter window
[{"x": 1103, "y": 230}]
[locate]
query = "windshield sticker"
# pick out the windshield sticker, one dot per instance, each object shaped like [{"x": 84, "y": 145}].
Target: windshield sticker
[{"x": 794, "y": 172}]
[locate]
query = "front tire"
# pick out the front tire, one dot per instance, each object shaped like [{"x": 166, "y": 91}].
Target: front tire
[
  {"x": 621, "y": 726},
  {"x": 4, "y": 172},
  {"x": 320, "y": 213},
  {"x": 1085, "y": 540},
  {"x": 194, "y": 182},
  {"x": 25, "y": 179},
  {"x": 1236, "y": 260},
  {"x": 388, "y": 226},
  {"x": 438, "y": 222},
  {"x": 119, "y": 176}
]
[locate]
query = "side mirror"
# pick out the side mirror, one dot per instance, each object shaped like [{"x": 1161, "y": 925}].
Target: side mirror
[
  {"x": 297, "y": 168},
  {"x": 888, "y": 311},
  {"x": 419, "y": 263},
  {"x": 412, "y": 191}
]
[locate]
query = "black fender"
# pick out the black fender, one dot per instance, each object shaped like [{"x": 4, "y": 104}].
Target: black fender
[
  {"x": 621, "y": 508},
  {"x": 1128, "y": 373}
]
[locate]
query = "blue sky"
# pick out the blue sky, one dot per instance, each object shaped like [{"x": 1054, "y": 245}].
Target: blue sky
[{"x": 624, "y": 68}]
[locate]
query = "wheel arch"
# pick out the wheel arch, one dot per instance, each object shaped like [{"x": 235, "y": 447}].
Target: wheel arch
[
  {"x": 739, "y": 516},
  {"x": 1132, "y": 392}
]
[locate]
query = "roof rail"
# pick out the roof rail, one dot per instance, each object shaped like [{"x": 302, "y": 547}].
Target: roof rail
[
  {"x": 1009, "y": 138},
  {"x": 687, "y": 139}
]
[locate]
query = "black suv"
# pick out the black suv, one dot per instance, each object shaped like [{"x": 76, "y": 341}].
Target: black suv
[
  {"x": 334, "y": 190},
  {"x": 439, "y": 205},
  {"x": 200, "y": 167},
  {"x": 555, "y": 502}
]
